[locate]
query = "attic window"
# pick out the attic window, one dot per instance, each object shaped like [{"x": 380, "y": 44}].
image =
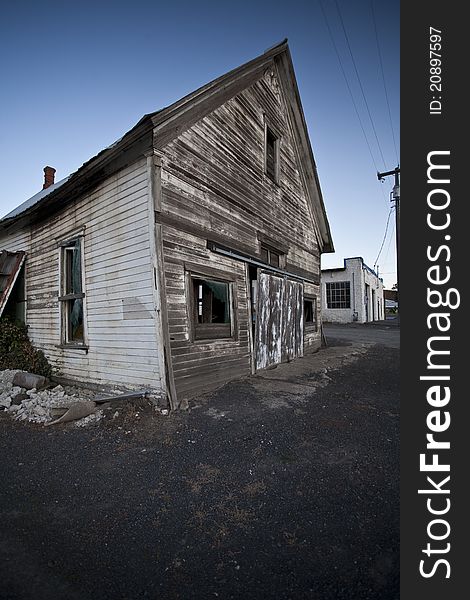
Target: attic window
[
  {"x": 271, "y": 257},
  {"x": 271, "y": 152}
]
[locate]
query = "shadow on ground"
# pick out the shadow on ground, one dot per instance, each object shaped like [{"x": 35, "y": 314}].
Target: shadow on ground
[{"x": 281, "y": 486}]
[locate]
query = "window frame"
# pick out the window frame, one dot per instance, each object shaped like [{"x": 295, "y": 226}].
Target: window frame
[
  {"x": 270, "y": 131},
  {"x": 311, "y": 326},
  {"x": 330, "y": 300},
  {"x": 270, "y": 250},
  {"x": 65, "y": 297},
  {"x": 201, "y": 332}
]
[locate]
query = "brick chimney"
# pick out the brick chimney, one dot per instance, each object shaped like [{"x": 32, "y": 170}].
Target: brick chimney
[{"x": 49, "y": 173}]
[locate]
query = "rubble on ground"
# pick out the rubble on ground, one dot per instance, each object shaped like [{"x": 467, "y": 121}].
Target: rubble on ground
[{"x": 47, "y": 405}]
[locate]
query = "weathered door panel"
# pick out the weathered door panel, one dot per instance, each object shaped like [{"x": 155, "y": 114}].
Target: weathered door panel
[
  {"x": 268, "y": 321},
  {"x": 292, "y": 324},
  {"x": 279, "y": 323}
]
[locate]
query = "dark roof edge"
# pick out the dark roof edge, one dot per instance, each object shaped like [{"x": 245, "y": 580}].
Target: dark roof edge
[
  {"x": 87, "y": 170},
  {"x": 364, "y": 265},
  {"x": 320, "y": 209},
  {"x": 175, "y": 109},
  {"x": 144, "y": 125},
  {"x": 93, "y": 171}
]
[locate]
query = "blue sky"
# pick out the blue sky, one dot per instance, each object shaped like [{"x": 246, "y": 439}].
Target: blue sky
[{"x": 77, "y": 75}]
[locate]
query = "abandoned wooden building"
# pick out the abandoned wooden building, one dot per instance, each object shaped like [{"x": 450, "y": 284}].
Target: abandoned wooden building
[{"x": 187, "y": 253}]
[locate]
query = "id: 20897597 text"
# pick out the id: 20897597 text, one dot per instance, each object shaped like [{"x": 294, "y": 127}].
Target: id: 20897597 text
[{"x": 435, "y": 71}]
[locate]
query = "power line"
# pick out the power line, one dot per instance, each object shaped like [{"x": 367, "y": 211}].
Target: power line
[
  {"x": 359, "y": 80},
  {"x": 383, "y": 79},
  {"x": 389, "y": 242},
  {"x": 347, "y": 82},
  {"x": 395, "y": 196},
  {"x": 385, "y": 236}
]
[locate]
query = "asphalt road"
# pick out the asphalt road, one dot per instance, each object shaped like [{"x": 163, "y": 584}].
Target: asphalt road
[
  {"x": 379, "y": 332},
  {"x": 283, "y": 486}
]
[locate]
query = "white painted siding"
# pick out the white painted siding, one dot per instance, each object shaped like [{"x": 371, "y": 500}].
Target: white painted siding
[
  {"x": 15, "y": 241},
  {"x": 367, "y": 304},
  {"x": 118, "y": 282}
]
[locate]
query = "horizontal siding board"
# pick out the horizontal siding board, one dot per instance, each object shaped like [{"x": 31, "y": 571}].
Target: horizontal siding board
[
  {"x": 181, "y": 363},
  {"x": 185, "y": 250},
  {"x": 281, "y": 210},
  {"x": 191, "y": 386},
  {"x": 118, "y": 238},
  {"x": 213, "y": 181},
  {"x": 118, "y": 283},
  {"x": 113, "y": 377},
  {"x": 136, "y": 276}
]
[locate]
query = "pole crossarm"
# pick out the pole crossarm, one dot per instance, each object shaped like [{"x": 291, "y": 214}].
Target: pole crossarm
[
  {"x": 381, "y": 176},
  {"x": 396, "y": 197}
]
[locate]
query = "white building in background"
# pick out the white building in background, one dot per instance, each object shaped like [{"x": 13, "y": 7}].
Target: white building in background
[{"x": 352, "y": 293}]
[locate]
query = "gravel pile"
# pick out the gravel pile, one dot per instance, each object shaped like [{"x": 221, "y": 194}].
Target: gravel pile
[{"x": 39, "y": 406}]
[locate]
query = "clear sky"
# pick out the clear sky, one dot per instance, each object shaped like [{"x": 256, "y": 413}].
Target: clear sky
[{"x": 77, "y": 75}]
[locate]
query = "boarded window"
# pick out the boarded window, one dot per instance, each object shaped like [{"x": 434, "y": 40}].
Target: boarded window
[
  {"x": 71, "y": 298},
  {"x": 338, "y": 294},
  {"x": 272, "y": 155},
  {"x": 310, "y": 313},
  {"x": 212, "y": 314}
]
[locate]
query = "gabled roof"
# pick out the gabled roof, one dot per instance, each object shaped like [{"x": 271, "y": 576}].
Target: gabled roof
[
  {"x": 35, "y": 199},
  {"x": 157, "y": 129}
]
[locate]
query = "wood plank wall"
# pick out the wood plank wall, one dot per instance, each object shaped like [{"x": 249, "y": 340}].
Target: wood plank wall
[
  {"x": 214, "y": 186},
  {"x": 201, "y": 365},
  {"x": 119, "y": 276}
]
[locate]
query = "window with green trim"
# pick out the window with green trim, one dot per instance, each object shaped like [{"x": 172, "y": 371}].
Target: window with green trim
[{"x": 71, "y": 295}]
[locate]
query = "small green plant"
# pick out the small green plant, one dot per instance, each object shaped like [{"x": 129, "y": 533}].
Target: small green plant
[{"x": 17, "y": 352}]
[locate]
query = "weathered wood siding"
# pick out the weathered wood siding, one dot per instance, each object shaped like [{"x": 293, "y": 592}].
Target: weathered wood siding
[
  {"x": 16, "y": 240},
  {"x": 312, "y": 334},
  {"x": 201, "y": 365},
  {"x": 214, "y": 187},
  {"x": 118, "y": 283}
]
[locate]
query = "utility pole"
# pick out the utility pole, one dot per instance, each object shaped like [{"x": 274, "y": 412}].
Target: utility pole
[{"x": 395, "y": 196}]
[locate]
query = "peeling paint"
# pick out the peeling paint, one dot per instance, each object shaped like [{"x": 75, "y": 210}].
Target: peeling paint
[{"x": 280, "y": 322}]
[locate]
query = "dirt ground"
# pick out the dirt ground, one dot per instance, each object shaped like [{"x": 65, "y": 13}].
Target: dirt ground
[{"x": 284, "y": 485}]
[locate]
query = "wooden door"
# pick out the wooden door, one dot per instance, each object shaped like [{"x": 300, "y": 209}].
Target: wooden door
[{"x": 279, "y": 320}]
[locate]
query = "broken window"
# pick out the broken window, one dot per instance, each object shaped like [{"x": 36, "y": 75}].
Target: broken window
[
  {"x": 212, "y": 314},
  {"x": 71, "y": 297},
  {"x": 338, "y": 294},
  {"x": 271, "y": 155},
  {"x": 310, "y": 313},
  {"x": 12, "y": 285}
]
